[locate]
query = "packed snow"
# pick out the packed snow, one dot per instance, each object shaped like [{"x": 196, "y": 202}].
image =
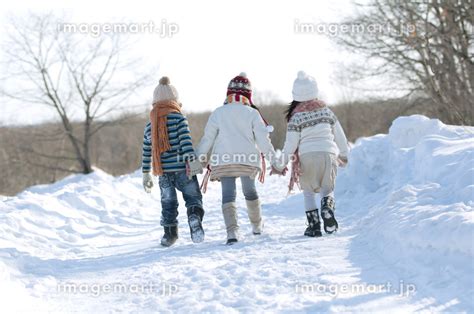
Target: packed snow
[{"x": 90, "y": 243}]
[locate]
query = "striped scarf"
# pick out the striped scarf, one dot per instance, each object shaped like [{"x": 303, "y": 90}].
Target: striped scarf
[{"x": 237, "y": 98}]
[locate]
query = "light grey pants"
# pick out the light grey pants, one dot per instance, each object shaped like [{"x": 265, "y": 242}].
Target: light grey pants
[
  {"x": 229, "y": 189},
  {"x": 318, "y": 175}
]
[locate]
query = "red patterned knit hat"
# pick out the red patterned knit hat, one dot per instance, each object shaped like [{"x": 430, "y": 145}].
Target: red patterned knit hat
[{"x": 240, "y": 85}]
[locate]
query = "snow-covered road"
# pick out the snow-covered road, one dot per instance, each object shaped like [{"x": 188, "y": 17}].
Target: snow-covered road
[{"x": 405, "y": 206}]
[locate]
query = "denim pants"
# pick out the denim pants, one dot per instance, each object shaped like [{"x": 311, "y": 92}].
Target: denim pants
[
  {"x": 229, "y": 189},
  {"x": 169, "y": 183}
]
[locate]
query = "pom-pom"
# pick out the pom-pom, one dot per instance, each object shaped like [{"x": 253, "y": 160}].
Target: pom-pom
[
  {"x": 164, "y": 80},
  {"x": 301, "y": 75},
  {"x": 243, "y": 74}
]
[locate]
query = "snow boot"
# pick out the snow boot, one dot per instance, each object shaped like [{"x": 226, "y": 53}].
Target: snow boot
[
  {"x": 328, "y": 207},
  {"x": 231, "y": 241},
  {"x": 314, "y": 225},
  {"x": 170, "y": 236},
  {"x": 229, "y": 210},
  {"x": 254, "y": 211},
  {"x": 195, "y": 215}
]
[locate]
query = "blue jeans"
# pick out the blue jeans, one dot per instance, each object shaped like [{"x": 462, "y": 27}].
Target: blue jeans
[
  {"x": 229, "y": 189},
  {"x": 169, "y": 182}
]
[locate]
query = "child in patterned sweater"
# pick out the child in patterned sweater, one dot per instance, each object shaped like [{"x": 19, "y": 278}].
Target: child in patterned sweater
[{"x": 316, "y": 143}]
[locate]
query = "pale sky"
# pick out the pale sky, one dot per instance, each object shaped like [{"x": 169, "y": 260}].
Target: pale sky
[{"x": 216, "y": 41}]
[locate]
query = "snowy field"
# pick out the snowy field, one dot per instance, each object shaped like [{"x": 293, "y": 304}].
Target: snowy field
[{"x": 405, "y": 207}]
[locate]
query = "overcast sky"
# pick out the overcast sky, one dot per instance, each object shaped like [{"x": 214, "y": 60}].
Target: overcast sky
[{"x": 216, "y": 40}]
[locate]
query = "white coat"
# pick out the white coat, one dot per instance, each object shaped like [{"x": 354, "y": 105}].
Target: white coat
[{"x": 235, "y": 134}]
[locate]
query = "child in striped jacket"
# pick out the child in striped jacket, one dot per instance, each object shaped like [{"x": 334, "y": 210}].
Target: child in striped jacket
[{"x": 168, "y": 153}]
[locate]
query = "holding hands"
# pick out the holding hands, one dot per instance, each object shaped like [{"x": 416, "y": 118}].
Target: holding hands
[
  {"x": 193, "y": 168},
  {"x": 278, "y": 165},
  {"x": 278, "y": 172},
  {"x": 342, "y": 161}
]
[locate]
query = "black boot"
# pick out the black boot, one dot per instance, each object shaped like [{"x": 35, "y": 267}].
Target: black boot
[
  {"x": 231, "y": 241},
  {"x": 314, "y": 226},
  {"x": 328, "y": 207},
  {"x": 170, "y": 236},
  {"x": 195, "y": 215}
]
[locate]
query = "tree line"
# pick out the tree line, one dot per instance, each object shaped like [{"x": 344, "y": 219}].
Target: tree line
[{"x": 31, "y": 155}]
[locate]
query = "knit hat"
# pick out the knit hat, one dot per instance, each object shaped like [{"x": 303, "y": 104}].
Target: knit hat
[
  {"x": 165, "y": 91},
  {"x": 240, "y": 85},
  {"x": 305, "y": 87}
]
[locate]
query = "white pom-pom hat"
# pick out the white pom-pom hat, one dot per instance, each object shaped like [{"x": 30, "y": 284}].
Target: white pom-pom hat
[
  {"x": 165, "y": 91},
  {"x": 305, "y": 87}
]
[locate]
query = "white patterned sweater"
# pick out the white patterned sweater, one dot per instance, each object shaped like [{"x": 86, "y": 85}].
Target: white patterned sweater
[{"x": 314, "y": 131}]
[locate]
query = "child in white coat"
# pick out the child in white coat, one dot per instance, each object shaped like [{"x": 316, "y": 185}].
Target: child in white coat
[
  {"x": 316, "y": 144},
  {"x": 236, "y": 136}
]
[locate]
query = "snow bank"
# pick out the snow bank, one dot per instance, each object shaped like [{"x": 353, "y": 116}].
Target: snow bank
[
  {"x": 415, "y": 186},
  {"x": 81, "y": 215}
]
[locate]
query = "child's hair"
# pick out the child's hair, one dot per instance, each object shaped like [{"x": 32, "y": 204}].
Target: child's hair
[
  {"x": 290, "y": 109},
  {"x": 256, "y": 108}
]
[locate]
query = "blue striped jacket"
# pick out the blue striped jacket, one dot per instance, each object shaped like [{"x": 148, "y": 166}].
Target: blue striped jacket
[{"x": 181, "y": 150}]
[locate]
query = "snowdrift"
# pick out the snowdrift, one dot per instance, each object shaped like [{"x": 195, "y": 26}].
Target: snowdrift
[
  {"x": 412, "y": 194},
  {"x": 405, "y": 205},
  {"x": 415, "y": 185},
  {"x": 81, "y": 215}
]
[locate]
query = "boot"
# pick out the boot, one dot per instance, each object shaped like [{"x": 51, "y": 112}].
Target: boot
[
  {"x": 170, "y": 236},
  {"x": 314, "y": 226},
  {"x": 328, "y": 207},
  {"x": 195, "y": 215},
  {"x": 254, "y": 211},
  {"x": 229, "y": 210}
]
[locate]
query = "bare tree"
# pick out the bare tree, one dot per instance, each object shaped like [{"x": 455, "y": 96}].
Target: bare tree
[
  {"x": 83, "y": 79},
  {"x": 424, "y": 46}
]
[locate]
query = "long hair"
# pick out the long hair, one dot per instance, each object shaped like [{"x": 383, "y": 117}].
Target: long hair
[
  {"x": 290, "y": 109},
  {"x": 255, "y": 107}
]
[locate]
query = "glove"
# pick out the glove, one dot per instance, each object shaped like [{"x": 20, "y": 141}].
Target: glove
[
  {"x": 147, "y": 182},
  {"x": 193, "y": 168},
  {"x": 279, "y": 172},
  {"x": 342, "y": 161},
  {"x": 278, "y": 166}
]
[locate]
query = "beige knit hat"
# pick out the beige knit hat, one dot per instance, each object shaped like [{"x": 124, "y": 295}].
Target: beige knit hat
[{"x": 165, "y": 91}]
